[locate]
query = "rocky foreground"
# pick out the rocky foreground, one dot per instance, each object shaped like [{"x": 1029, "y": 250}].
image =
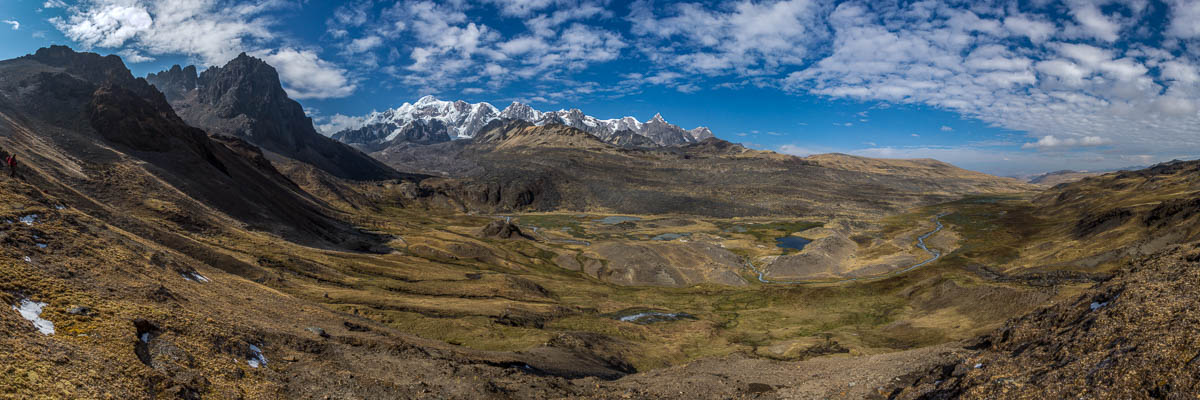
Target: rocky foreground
[{"x": 1130, "y": 337}]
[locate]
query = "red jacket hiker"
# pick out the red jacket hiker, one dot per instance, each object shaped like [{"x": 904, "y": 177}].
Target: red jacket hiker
[{"x": 12, "y": 164}]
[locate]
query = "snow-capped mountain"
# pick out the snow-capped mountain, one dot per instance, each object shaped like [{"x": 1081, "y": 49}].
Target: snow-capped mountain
[{"x": 430, "y": 120}]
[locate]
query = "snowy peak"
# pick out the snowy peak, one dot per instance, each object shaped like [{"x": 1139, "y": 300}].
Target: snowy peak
[
  {"x": 427, "y": 101},
  {"x": 520, "y": 111},
  {"x": 464, "y": 120}
]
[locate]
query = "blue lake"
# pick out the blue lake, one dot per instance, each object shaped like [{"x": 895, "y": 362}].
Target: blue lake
[{"x": 792, "y": 242}]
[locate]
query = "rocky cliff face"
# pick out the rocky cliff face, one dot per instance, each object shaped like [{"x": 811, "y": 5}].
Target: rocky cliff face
[{"x": 245, "y": 99}]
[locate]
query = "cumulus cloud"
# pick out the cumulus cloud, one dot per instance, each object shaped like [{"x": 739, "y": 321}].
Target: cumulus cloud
[
  {"x": 1050, "y": 141},
  {"x": 1036, "y": 30},
  {"x": 802, "y": 151},
  {"x": 436, "y": 45},
  {"x": 337, "y": 123},
  {"x": 520, "y": 8},
  {"x": 306, "y": 76},
  {"x": 133, "y": 56},
  {"x": 1093, "y": 21},
  {"x": 105, "y": 25},
  {"x": 743, "y": 37},
  {"x": 364, "y": 44},
  {"x": 14, "y": 23},
  {"x": 1184, "y": 14}
]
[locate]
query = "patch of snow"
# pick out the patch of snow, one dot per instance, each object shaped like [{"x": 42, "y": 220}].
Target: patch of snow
[
  {"x": 32, "y": 311},
  {"x": 979, "y": 365},
  {"x": 29, "y": 219},
  {"x": 194, "y": 277},
  {"x": 145, "y": 337},
  {"x": 41, "y": 245},
  {"x": 654, "y": 316},
  {"x": 258, "y": 360},
  {"x": 28, "y": 260},
  {"x": 60, "y": 207},
  {"x": 1095, "y": 306}
]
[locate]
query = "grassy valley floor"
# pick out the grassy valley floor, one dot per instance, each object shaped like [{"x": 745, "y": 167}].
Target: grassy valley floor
[{"x": 449, "y": 283}]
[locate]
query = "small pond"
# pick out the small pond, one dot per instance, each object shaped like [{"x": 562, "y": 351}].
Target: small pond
[
  {"x": 650, "y": 317},
  {"x": 792, "y": 242},
  {"x": 616, "y": 219},
  {"x": 671, "y": 236}
]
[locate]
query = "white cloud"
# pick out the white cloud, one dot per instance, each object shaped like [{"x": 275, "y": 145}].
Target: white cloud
[
  {"x": 106, "y": 25},
  {"x": 364, "y": 44},
  {"x": 54, "y": 4},
  {"x": 802, "y": 151},
  {"x": 1184, "y": 14},
  {"x": 1036, "y": 30},
  {"x": 306, "y": 76},
  {"x": 1180, "y": 72},
  {"x": 338, "y": 123},
  {"x": 443, "y": 47},
  {"x": 1050, "y": 141},
  {"x": 1093, "y": 21},
  {"x": 743, "y": 37},
  {"x": 15, "y": 25},
  {"x": 133, "y": 56},
  {"x": 520, "y": 8},
  {"x": 945, "y": 128}
]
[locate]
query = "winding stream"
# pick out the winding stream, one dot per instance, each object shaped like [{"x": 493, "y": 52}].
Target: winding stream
[{"x": 934, "y": 253}]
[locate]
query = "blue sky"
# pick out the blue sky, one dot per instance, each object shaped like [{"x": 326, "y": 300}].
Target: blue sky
[{"x": 1007, "y": 87}]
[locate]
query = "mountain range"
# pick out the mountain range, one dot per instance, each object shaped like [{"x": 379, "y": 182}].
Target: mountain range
[
  {"x": 190, "y": 235},
  {"x": 430, "y": 120}
]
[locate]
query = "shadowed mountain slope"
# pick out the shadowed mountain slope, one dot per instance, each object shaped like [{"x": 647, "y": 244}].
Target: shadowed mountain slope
[
  {"x": 83, "y": 126},
  {"x": 244, "y": 99}
]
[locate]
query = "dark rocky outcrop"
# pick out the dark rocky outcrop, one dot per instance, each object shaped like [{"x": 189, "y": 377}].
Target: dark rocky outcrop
[
  {"x": 503, "y": 229},
  {"x": 245, "y": 99},
  {"x": 374, "y": 137}
]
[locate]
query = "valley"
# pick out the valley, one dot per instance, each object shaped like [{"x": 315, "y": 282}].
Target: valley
[{"x": 188, "y": 241}]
